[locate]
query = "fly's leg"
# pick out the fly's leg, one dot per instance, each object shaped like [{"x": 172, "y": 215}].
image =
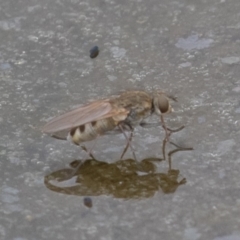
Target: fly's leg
[
  {"x": 175, "y": 130},
  {"x": 167, "y": 133},
  {"x": 127, "y": 146},
  {"x": 89, "y": 153},
  {"x": 167, "y": 130},
  {"x": 151, "y": 125},
  {"x": 178, "y": 149},
  {"x": 129, "y": 139}
]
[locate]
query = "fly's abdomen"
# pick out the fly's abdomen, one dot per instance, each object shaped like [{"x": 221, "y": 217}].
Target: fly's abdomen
[{"x": 90, "y": 131}]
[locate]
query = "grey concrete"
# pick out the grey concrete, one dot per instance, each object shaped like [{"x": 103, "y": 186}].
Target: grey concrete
[{"x": 189, "y": 48}]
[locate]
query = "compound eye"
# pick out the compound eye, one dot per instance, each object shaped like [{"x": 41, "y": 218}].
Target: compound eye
[{"x": 161, "y": 104}]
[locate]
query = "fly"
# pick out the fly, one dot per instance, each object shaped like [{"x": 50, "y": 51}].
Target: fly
[{"x": 100, "y": 117}]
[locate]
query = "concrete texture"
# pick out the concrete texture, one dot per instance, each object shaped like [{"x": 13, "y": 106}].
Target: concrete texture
[{"x": 189, "y": 48}]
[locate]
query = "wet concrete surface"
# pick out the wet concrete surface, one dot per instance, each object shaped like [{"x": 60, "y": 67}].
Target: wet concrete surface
[{"x": 188, "y": 48}]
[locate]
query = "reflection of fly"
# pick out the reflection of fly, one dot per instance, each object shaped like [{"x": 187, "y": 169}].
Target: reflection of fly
[{"x": 99, "y": 117}]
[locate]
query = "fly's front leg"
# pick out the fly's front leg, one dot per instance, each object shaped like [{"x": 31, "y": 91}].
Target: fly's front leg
[
  {"x": 178, "y": 149},
  {"x": 169, "y": 131},
  {"x": 175, "y": 130}
]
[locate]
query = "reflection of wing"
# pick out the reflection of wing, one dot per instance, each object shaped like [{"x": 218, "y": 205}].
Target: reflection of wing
[{"x": 91, "y": 112}]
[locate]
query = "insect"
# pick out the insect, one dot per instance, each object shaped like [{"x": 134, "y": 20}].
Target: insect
[{"x": 100, "y": 117}]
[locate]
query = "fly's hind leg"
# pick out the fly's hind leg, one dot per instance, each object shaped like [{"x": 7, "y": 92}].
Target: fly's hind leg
[
  {"x": 129, "y": 139},
  {"x": 89, "y": 153}
]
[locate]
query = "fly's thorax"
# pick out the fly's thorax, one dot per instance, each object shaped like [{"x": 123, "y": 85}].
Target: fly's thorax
[
  {"x": 138, "y": 105},
  {"x": 131, "y": 99},
  {"x": 161, "y": 104},
  {"x": 90, "y": 131}
]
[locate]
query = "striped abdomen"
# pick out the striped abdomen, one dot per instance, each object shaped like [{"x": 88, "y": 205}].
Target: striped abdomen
[{"x": 90, "y": 131}]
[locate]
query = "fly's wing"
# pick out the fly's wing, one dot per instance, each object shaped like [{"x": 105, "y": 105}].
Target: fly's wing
[{"x": 91, "y": 112}]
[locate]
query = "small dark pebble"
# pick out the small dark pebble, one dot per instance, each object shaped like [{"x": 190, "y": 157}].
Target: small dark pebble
[
  {"x": 87, "y": 202},
  {"x": 94, "y": 52}
]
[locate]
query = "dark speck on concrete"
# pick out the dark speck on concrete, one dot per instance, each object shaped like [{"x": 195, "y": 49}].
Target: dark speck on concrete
[
  {"x": 94, "y": 52},
  {"x": 87, "y": 202}
]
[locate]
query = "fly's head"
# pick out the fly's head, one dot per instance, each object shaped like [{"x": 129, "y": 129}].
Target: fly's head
[{"x": 161, "y": 103}]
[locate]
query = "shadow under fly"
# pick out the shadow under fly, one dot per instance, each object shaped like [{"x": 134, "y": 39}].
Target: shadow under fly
[{"x": 122, "y": 179}]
